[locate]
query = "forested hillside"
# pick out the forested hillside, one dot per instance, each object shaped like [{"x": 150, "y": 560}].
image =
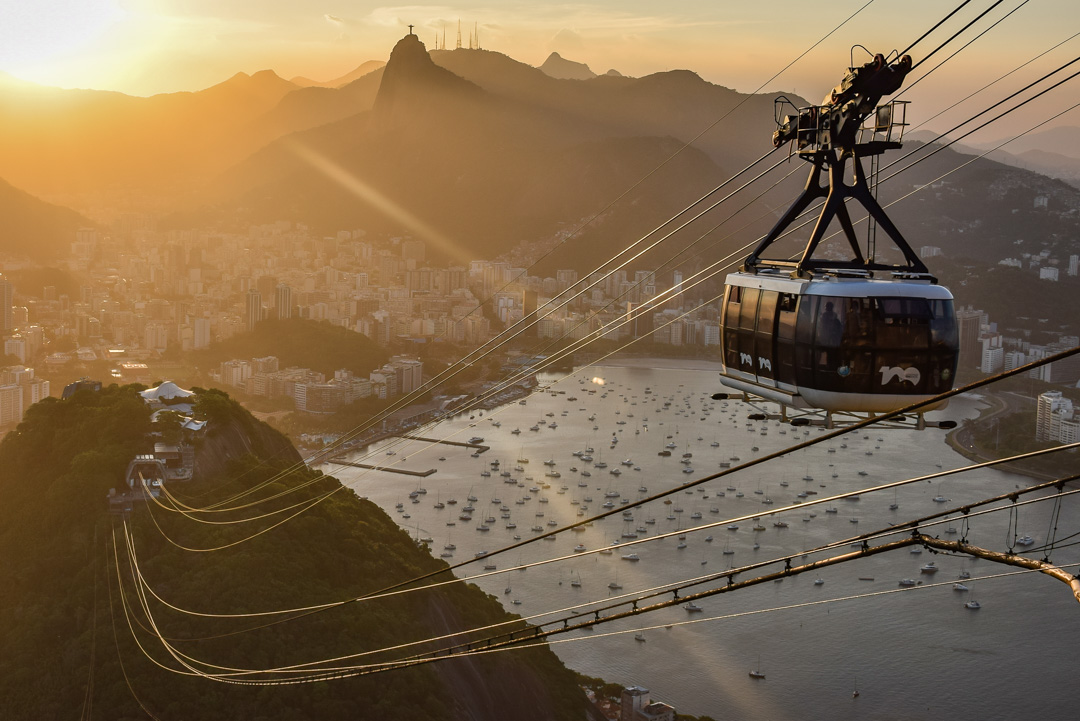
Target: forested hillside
[{"x": 70, "y": 615}]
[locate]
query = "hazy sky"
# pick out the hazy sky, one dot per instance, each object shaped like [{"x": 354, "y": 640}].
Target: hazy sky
[{"x": 150, "y": 46}]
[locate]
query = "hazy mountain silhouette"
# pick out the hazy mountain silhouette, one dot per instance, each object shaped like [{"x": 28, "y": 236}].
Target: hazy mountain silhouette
[
  {"x": 486, "y": 169},
  {"x": 676, "y": 103},
  {"x": 59, "y": 141},
  {"x": 411, "y": 81},
  {"x": 313, "y": 106},
  {"x": 360, "y": 71},
  {"x": 1062, "y": 140},
  {"x": 96, "y": 150},
  {"x": 1051, "y": 164},
  {"x": 559, "y": 67},
  {"x": 470, "y": 147},
  {"x": 35, "y": 228}
]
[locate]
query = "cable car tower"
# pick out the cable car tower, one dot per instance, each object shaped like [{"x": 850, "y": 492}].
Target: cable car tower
[{"x": 840, "y": 339}]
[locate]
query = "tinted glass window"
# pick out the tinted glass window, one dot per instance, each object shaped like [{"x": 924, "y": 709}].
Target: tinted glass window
[
  {"x": 902, "y": 322},
  {"x": 766, "y": 329},
  {"x": 829, "y": 323},
  {"x": 748, "y": 308},
  {"x": 785, "y": 338},
  {"x": 730, "y": 322},
  {"x": 903, "y": 346},
  {"x": 943, "y": 333}
]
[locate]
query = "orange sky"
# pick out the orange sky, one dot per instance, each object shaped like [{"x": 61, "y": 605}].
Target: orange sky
[{"x": 150, "y": 46}]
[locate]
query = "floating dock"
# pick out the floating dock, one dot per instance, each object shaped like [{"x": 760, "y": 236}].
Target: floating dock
[
  {"x": 475, "y": 446},
  {"x": 388, "y": 469}
]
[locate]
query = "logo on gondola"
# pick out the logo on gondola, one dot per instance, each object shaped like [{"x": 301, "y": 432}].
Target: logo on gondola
[
  {"x": 764, "y": 363},
  {"x": 746, "y": 359},
  {"x": 911, "y": 375}
]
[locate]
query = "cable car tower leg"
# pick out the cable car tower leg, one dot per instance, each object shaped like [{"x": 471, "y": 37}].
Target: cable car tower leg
[
  {"x": 811, "y": 192},
  {"x": 835, "y": 207},
  {"x": 861, "y": 192}
]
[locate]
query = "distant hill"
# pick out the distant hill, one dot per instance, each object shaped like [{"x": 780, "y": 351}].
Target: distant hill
[
  {"x": 75, "y": 142},
  {"x": 31, "y": 226},
  {"x": 984, "y": 210},
  {"x": 1052, "y": 153},
  {"x": 677, "y": 103},
  {"x": 65, "y": 557},
  {"x": 311, "y": 107},
  {"x": 559, "y": 67},
  {"x": 1062, "y": 140},
  {"x": 299, "y": 342},
  {"x": 358, "y": 72}
]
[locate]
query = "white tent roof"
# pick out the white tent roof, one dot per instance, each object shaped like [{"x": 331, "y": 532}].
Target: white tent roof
[{"x": 168, "y": 389}]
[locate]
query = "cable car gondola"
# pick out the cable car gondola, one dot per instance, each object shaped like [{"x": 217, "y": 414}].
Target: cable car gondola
[{"x": 855, "y": 336}]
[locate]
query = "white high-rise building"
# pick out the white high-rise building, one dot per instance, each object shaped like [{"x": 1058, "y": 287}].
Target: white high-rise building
[
  {"x": 1051, "y": 409},
  {"x": 11, "y": 405},
  {"x": 7, "y": 299},
  {"x": 993, "y": 354},
  {"x": 201, "y": 333},
  {"x": 16, "y": 346},
  {"x": 19, "y": 389}
]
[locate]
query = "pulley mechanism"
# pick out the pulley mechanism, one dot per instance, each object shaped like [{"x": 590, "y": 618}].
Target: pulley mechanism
[{"x": 827, "y": 135}]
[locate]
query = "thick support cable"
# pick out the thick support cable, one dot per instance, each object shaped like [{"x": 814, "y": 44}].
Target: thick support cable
[
  {"x": 939, "y": 23},
  {"x": 1009, "y": 559},
  {"x": 957, "y": 33}
]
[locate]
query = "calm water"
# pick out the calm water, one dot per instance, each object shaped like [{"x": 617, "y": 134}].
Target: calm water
[{"x": 918, "y": 654}]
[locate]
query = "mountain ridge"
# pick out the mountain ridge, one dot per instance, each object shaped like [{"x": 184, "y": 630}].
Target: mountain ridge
[
  {"x": 559, "y": 67},
  {"x": 41, "y": 230}
]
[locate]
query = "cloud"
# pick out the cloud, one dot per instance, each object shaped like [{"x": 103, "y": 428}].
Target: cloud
[
  {"x": 567, "y": 40},
  {"x": 334, "y": 19},
  {"x": 402, "y": 15}
]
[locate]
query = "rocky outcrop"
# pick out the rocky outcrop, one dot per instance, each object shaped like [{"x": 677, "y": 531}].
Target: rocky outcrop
[{"x": 238, "y": 434}]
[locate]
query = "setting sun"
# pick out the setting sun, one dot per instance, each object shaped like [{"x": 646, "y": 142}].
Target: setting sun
[{"x": 40, "y": 41}]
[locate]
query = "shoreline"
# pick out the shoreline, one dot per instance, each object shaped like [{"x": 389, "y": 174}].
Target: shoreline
[{"x": 955, "y": 439}]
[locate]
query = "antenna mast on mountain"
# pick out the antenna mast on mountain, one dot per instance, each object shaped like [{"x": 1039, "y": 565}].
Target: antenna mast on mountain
[
  {"x": 476, "y": 32},
  {"x": 459, "y": 34}
]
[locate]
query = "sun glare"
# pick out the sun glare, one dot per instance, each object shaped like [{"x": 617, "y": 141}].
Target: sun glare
[
  {"x": 370, "y": 195},
  {"x": 37, "y": 38}
]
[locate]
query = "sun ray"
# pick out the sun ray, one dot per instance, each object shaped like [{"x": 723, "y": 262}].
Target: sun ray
[{"x": 366, "y": 192}]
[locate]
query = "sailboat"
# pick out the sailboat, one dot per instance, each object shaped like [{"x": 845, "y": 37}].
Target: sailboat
[
  {"x": 855, "y": 692},
  {"x": 757, "y": 672}
]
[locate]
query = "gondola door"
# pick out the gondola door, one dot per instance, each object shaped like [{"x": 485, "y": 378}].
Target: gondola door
[{"x": 765, "y": 338}]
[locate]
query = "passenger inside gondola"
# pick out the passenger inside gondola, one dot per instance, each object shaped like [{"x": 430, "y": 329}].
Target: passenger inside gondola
[{"x": 830, "y": 328}]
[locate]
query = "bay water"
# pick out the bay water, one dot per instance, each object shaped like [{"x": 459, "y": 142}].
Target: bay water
[{"x": 912, "y": 653}]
